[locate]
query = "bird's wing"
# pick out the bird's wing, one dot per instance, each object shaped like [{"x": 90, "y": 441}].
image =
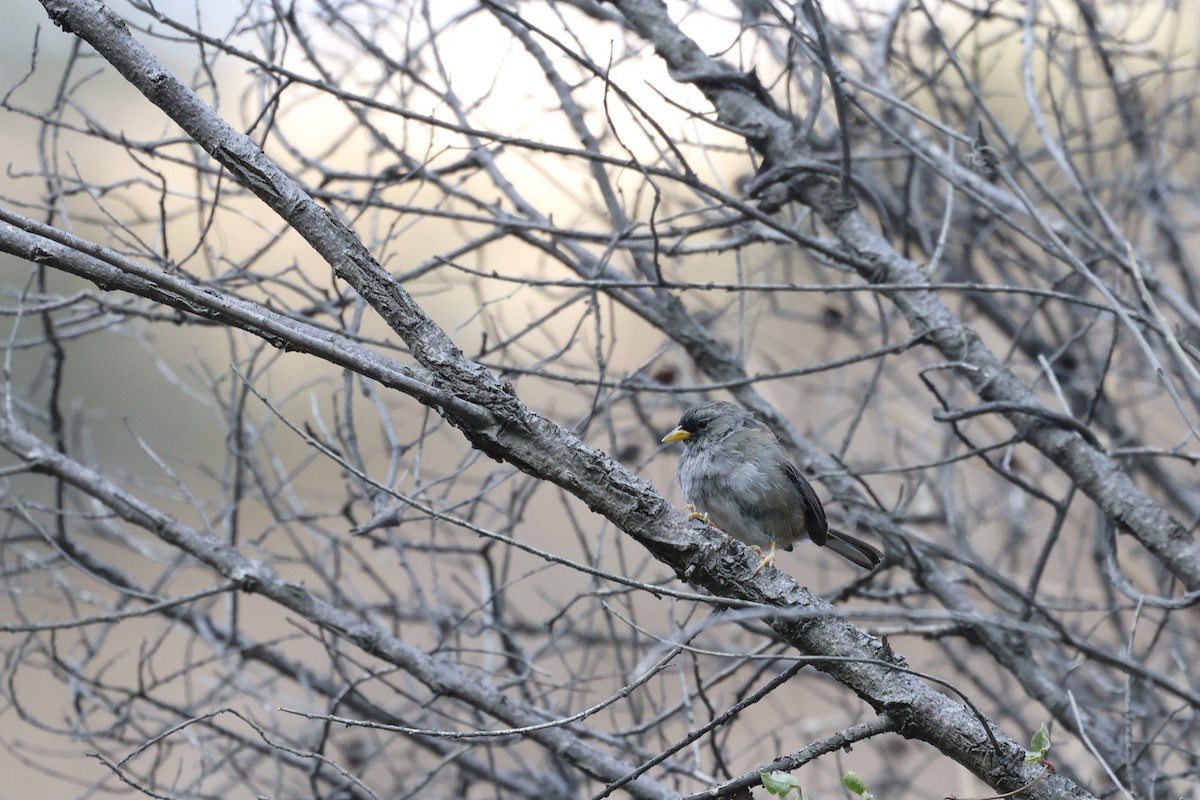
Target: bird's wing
[{"x": 815, "y": 524}]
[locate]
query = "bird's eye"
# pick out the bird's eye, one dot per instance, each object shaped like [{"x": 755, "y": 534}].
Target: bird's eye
[{"x": 701, "y": 425}]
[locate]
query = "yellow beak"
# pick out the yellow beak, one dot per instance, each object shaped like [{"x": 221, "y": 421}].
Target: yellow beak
[{"x": 677, "y": 435}]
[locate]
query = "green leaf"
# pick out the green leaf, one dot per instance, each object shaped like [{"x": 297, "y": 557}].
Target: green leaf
[
  {"x": 1039, "y": 745},
  {"x": 854, "y": 783},
  {"x": 780, "y": 783}
]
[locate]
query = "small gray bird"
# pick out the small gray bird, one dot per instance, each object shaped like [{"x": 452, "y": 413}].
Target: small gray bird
[{"x": 735, "y": 475}]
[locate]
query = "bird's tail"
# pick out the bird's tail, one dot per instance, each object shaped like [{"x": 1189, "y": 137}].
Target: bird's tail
[{"x": 852, "y": 549}]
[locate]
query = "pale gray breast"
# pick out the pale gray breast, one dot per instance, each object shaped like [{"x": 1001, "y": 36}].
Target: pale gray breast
[{"x": 751, "y": 500}]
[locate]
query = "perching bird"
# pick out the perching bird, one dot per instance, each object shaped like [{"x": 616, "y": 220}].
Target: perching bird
[{"x": 735, "y": 475}]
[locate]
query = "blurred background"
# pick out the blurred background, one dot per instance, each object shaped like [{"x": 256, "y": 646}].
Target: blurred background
[{"x": 576, "y": 218}]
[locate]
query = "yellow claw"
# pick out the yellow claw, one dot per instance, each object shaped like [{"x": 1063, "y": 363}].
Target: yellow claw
[
  {"x": 694, "y": 514},
  {"x": 768, "y": 559}
]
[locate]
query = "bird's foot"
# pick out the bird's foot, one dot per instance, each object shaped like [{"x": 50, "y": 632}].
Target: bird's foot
[
  {"x": 694, "y": 514},
  {"x": 768, "y": 559}
]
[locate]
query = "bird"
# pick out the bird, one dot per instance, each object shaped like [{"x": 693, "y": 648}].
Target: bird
[{"x": 736, "y": 477}]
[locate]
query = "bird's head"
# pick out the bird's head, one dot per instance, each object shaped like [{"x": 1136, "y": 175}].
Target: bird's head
[{"x": 708, "y": 422}]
